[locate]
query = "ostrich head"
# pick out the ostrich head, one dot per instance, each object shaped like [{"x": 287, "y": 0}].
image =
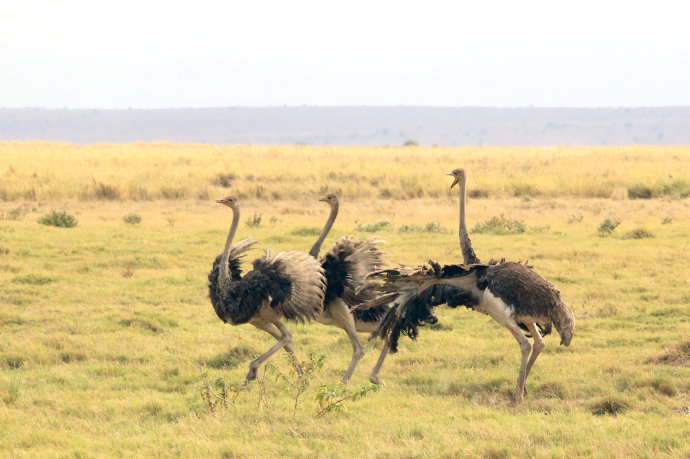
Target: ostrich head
[
  {"x": 330, "y": 198},
  {"x": 458, "y": 174},
  {"x": 230, "y": 201}
]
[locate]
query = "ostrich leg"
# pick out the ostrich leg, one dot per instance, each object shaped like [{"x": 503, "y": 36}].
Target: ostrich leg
[{"x": 285, "y": 340}]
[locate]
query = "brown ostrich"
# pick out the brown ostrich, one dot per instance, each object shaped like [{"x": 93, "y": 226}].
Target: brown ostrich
[{"x": 511, "y": 293}]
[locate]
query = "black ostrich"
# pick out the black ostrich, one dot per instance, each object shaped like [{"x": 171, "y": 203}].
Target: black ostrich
[
  {"x": 511, "y": 293},
  {"x": 346, "y": 266},
  {"x": 287, "y": 285}
]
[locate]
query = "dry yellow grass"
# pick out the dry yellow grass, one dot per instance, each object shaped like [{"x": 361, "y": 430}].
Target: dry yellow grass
[{"x": 49, "y": 171}]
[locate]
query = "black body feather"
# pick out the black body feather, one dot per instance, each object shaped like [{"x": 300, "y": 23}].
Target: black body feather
[
  {"x": 345, "y": 279},
  {"x": 269, "y": 282},
  {"x": 515, "y": 283},
  {"x": 227, "y": 305},
  {"x": 335, "y": 271}
]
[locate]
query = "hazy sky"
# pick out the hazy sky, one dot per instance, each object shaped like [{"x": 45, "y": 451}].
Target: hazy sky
[{"x": 160, "y": 54}]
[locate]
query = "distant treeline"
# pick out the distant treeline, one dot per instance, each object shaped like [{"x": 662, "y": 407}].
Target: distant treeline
[{"x": 381, "y": 126}]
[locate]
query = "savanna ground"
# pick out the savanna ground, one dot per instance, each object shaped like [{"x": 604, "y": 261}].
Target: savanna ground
[{"x": 108, "y": 342}]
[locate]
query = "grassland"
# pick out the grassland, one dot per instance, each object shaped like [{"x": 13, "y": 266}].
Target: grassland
[{"x": 105, "y": 328}]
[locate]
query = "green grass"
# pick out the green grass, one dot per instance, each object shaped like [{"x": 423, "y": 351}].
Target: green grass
[{"x": 106, "y": 333}]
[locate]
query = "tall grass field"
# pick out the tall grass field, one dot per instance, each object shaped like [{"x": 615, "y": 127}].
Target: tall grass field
[{"x": 109, "y": 346}]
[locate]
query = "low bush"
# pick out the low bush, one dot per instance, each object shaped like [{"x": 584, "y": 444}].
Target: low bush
[
  {"x": 60, "y": 219},
  {"x": 639, "y": 191},
  {"x": 224, "y": 180},
  {"x": 132, "y": 218},
  {"x": 608, "y": 226},
  {"x": 501, "y": 226},
  {"x": 610, "y": 405},
  {"x": 431, "y": 227},
  {"x": 254, "y": 221},
  {"x": 372, "y": 227},
  {"x": 638, "y": 233}
]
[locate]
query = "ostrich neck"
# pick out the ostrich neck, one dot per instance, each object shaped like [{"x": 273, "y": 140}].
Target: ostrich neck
[
  {"x": 314, "y": 252},
  {"x": 224, "y": 274},
  {"x": 468, "y": 254}
]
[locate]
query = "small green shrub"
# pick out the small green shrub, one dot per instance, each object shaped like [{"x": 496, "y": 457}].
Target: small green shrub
[
  {"x": 639, "y": 191},
  {"x": 431, "y": 227},
  {"x": 306, "y": 231},
  {"x": 59, "y": 219},
  {"x": 224, "y": 180},
  {"x": 254, "y": 221},
  {"x": 478, "y": 194},
  {"x": 608, "y": 226},
  {"x": 219, "y": 396},
  {"x": 297, "y": 380},
  {"x": 410, "y": 143},
  {"x": 132, "y": 218},
  {"x": 501, "y": 226},
  {"x": 638, "y": 233},
  {"x": 611, "y": 405},
  {"x": 331, "y": 399},
  {"x": 667, "y": 221},
  {"x": 372, "y": 227}
]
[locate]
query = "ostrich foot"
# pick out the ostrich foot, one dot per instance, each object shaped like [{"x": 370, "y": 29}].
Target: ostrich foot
[
  {"x": 517, "y": 399},
  {"x": 251, "y": 376},
  {"x": 376, "y": 380}
]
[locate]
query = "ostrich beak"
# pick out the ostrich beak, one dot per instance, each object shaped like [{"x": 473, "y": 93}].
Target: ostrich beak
[
  {"x": 323, "y": 199},
  {"x": 455, "y": 182}
]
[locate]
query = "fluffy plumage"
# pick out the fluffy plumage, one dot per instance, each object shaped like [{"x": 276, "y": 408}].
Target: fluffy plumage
[
  {"x": 411, "y": 298},
  {"x": 346, "y": 266},
  {"x": 413, "y": 293},
  {"x": 291, "y": 283}
]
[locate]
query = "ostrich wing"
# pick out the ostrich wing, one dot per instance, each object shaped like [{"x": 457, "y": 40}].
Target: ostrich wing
[
  {"x": 237, "y": 252},
  {"x": 412, "y": 294},
  {"x": 292, "y": 283},
  {"x": 346, "y": 267}
]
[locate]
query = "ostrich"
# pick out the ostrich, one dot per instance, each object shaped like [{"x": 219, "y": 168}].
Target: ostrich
[
  {"x": 286, "y": 285},
  {"x": 346, "y": 266},
  {"x": 511, "y": 293},
  {"x": 468, "y": 255}
]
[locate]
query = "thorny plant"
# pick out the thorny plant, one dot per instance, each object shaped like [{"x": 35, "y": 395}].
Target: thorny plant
[
  {"x": 266, "y": 396},
  {"x": 297, "y": 381},
  {"x": 331, "y": 399},
  {"x": 220, "y": 395}
]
